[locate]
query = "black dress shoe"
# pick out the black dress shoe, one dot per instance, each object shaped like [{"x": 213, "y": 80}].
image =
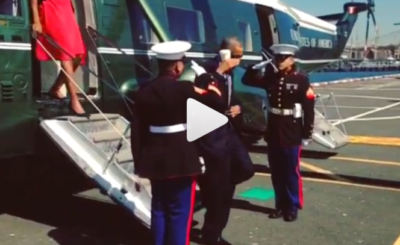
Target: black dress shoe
[
  {"x": 277, "y": 214},
  {"x": 208, "y": 239},
  {"x": 290, "y": 215},
  {"x": 219, "y": 241}
]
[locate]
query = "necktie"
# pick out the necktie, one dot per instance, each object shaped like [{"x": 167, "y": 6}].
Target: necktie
[{"x": 229, "y": 84}]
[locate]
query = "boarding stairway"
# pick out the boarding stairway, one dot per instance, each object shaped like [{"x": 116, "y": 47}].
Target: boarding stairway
[
  {"x": 96, "y": 147},
  {"x": 327, "y": 134},
  {"x": 100, "y": 147}
]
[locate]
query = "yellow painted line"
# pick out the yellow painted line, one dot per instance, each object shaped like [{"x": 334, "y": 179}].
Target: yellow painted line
[
  {"x": 397, "y": 242},
  {"x": 352, "y": 159},
  {"x": 368, "y": 140},
  {"x": 322, "y": 171},
  {"x": 342, "y": 183}
]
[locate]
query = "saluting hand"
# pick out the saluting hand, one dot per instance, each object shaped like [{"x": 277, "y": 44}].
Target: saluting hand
[
  {"x": 227, "y": 65},
  {"x": 234, "y": 111},
  {"x": 37, "y": 27}
]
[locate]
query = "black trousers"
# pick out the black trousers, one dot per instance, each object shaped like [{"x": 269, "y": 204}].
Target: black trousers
[
  {"x": 217, "y": 192},
  {"x": 218, "y": 183}
]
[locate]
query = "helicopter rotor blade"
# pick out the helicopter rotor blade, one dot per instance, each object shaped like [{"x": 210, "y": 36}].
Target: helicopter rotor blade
[
  {"x": 367, "y": 30},
  {"x": 373, "y": 18}
]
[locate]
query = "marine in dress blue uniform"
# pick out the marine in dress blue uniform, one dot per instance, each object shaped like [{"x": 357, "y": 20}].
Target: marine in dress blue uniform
[
  {"x": 227, "y": 160},
  {"x": 159, "y": 146},
  {"x": 290, "y": 123}
]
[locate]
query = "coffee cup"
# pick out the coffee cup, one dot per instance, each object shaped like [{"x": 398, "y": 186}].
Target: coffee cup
[{"x": 225, "y": 54}]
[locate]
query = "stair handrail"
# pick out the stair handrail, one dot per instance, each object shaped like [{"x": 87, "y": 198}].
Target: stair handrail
[{"x": 93, "y": 33}]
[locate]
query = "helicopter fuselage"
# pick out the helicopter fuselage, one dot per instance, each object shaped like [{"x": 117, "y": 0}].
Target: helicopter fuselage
[{"x": 134, "y": 26}]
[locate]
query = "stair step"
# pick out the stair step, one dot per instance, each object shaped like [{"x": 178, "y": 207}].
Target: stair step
[
  {"x": 93, "y": 118},
  {"x": 124, "y": 156},
  {"x": 127, "y": 166},
  {"x": 89, "y": 128},
  {"x": 109, "y": 147},
  {"x": 107, "y": 136},
  {"x": 51, "y": 102}
]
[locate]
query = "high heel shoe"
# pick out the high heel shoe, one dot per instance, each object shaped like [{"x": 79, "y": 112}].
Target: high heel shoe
[{"x": 85, "y": 114}]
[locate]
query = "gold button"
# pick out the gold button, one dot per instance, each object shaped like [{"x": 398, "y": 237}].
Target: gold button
[
  {"x": 279, "y": 93},
  {"x": 279, "y": 99},
  {"x": 279, "y": 105},
  {"x": 280, "y": 88}
]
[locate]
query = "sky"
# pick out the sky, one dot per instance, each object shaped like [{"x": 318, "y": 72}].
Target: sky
[{"x": 387, "y": 12}]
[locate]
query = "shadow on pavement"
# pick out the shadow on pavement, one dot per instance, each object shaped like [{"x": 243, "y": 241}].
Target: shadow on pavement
[
  {"x": 84, "y": 221},
  {"x": 79, "y": 220},
  {"x": 248, "y": 206}
]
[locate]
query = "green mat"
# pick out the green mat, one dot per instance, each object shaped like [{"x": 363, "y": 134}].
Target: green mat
[{"x": 258, "y": 193}]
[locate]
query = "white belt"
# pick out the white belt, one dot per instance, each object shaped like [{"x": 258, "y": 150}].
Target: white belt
[
  {"x": 281, "y": 112},
  {"x": 168, "y": 129}
]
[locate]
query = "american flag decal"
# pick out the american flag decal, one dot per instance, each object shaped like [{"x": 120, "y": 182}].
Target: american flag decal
[{"x": 352, "y": 10}]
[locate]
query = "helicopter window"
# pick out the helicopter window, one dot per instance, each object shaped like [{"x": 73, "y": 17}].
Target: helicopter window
[
  {"x": 141, "y": 25},
  {"x": 10, "y": 7},
  {"x": 245, "y": 36},
  {"x": 186, "y": 25},
  {"x": 148, "y": 36}
]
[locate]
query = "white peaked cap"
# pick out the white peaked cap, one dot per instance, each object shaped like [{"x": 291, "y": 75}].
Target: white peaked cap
[
  {"x": 172, "y": 50},
  {"x": 284, "y": 49}
]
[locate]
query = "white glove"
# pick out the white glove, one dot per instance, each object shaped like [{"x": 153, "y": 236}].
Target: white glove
[
  {"x": 306, "y": 142},
  {"x": 261, "y": 65},
  {"x": 203, "y": 166},
  {"x": 197, "y": 69}
]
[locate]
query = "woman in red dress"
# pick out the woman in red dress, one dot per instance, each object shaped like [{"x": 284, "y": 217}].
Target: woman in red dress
[{"x": 56, "y": 19}]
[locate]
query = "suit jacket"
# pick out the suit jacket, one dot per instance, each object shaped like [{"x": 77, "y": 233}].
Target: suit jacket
[
  {"x": 223, "y": 145},
  {"x": 211, "y": 66},
  {"x": 216, "y": 142}
]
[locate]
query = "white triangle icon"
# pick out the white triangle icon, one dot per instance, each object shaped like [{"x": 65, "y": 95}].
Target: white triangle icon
[{"x": 201, "y": 120}]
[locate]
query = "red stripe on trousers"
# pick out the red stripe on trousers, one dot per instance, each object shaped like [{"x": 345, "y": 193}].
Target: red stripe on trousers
[
  {"x": 300, "y": 179},
  {"x": 192, "y": 203}
]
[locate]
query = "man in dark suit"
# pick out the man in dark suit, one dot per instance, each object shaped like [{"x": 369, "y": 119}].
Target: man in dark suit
[{"x": 226, "y": 159}]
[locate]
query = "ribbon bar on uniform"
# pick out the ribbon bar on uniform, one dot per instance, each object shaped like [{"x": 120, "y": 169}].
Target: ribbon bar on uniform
[
  {"x": 168, "y": 129},
  {"x": 281, "y": 112}
]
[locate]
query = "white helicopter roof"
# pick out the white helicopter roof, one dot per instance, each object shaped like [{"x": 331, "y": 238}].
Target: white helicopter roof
[{"x": 304, "y": 19}]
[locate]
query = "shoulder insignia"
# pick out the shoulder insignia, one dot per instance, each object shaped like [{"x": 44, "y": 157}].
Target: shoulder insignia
[{"x": 310, "y": 93}]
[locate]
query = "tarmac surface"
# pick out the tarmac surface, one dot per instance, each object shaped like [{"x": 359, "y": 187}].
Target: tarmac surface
[{"x": 352, "y": 195}]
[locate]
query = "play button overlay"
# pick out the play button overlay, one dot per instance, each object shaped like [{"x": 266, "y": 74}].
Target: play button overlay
[{"x": 201, "y": 120}]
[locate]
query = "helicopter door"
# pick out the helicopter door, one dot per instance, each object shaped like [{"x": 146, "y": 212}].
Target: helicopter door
[
  {"x": 86, "y": 81},
  {"x": 274, "y": 29},
  {"x": 268, "y": 27}
]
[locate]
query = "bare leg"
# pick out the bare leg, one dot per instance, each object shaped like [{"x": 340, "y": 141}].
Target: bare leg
[
  {"x": 55, "y": 89},
  {"x": 76, "y": 106},
  {"x": 61, "y": 78}
]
